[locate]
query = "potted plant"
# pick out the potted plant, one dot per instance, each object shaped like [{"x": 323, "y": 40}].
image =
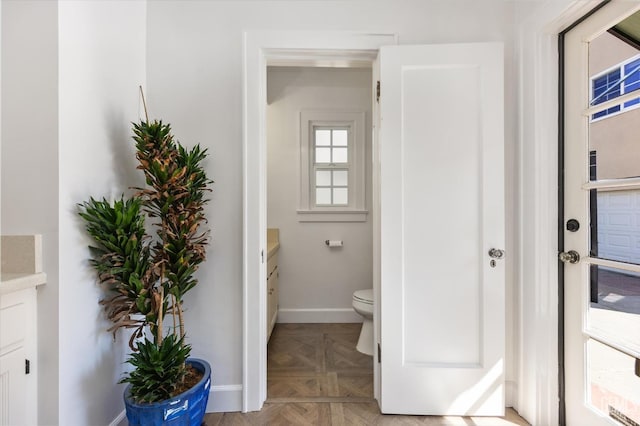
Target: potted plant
[{"x": 146, "y": 275}]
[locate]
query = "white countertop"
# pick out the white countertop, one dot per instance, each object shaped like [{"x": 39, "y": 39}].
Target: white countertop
[{"x": 10, "y": 282}]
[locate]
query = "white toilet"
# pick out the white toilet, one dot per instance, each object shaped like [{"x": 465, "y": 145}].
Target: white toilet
[{"x": 363, "y": 305}]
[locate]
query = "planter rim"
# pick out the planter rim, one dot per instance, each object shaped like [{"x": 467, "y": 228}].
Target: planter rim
[{"x": 198, "y": 363}]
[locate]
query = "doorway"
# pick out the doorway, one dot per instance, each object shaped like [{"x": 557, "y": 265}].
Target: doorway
[
  {"x": 278, "y": 49},
  {"x": 318, "y": 127},
  {"x": 601, "y": 217}
]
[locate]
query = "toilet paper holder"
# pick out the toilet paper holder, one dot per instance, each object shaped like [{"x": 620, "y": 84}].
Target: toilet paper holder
[{"x": 333, "y": 243}]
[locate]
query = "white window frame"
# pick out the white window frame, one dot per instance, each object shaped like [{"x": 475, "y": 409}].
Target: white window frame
[
  {"x": 620, "y": 66},
  {"x": 355, "y": 210}
]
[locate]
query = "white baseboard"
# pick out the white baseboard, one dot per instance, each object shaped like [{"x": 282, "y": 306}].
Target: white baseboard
[
  {"x": 511, "y": 393},
  {"x": 225, "y": 398},
  {"x": 121, "y": 420},
  {"x": 317, "y": 315}
]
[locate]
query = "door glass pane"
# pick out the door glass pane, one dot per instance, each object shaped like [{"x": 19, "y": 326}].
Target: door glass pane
[
  {"x": 340, "y": 138},
  {"x": 614, "y": 306},
  {"x": 612, "y": 385},
  {"x": 612, "y": 293},
  {"x": 339, "y": 155},
  {"x": 340, "y": 178},
  {"x": 323, "y": 177},
  {"x": 613, "y": 141},
  {"x": 340, "y": 196},
  {"x": 323, "y": 155},
  {"x": 323, "y": 196},
  {"x": 615, "y": 225},
  {"x": 323, "y": 137}
]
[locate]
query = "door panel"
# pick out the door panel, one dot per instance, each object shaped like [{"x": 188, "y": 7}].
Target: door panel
[{"x": 442, "y": 210}]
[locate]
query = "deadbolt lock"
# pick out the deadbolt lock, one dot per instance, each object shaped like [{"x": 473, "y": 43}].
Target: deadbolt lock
[{"x": 573, "y": 225}]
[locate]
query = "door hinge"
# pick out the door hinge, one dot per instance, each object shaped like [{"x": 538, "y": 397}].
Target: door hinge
[
  {"x": 379, "y": 354},
  {"x": 27, "y": 366},
  {"x": 378, "y": 91},
  {"x": 262, "y": 255}
]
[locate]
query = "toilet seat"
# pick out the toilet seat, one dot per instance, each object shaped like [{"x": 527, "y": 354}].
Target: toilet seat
[{"x": 364, "y": 296}]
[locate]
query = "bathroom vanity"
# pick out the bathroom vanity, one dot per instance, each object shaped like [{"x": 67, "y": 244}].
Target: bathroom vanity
[
  {"x": 273, "y": 245},
  {"x": 21, "y": 274}
]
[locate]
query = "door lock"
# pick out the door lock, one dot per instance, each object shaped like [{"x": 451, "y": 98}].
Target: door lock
[
  {"x": 573, "y": 225},
  {"x": 495, "y": 253},
  {"x": 570, "y": 256}
]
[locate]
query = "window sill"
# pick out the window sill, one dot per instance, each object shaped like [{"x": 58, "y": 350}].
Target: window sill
[{"x": 332, "y": 215}]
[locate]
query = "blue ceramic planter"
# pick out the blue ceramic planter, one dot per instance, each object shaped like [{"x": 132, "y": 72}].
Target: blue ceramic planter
[{"x": 186, "y": 409}]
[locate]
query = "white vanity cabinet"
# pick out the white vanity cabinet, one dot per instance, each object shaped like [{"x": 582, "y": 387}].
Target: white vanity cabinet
[
  {"x": 18, "y": 387},
  {"x": 272, "y": 292},
  {"x": 273, "y": 274},
  {"x": 21, "y": 274}
]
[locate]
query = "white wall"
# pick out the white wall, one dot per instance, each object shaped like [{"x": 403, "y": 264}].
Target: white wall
[
  {"x": 102, "y": 63},
  {"x": 312, "y": 276},
  {"x": 29, "y": 163},
  {"x": 199, "y": 90}
]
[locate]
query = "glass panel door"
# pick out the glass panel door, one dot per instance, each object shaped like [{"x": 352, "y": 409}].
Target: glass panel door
[{"x": 602, "y": 197}]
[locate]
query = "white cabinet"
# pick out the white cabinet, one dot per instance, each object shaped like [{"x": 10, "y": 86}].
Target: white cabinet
[
  {"x": 20, "y": 274},
  {"x": 272, "y": 292},
  {"x": 18, "y": 387}
]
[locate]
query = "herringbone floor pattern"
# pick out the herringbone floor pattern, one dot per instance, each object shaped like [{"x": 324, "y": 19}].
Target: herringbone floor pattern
[{"x": 315, "y": 376}]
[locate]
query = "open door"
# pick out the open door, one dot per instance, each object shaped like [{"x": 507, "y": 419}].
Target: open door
[
  {"x": 601, "y": 226},
  {"x": 442, "y": 304}
]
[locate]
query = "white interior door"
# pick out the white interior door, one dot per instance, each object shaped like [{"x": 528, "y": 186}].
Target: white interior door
[
  {"x": 441, "y": 212},
  {"x": 602, "y": 195}
]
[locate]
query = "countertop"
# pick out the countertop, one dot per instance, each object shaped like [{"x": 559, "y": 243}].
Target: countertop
[
  {"x": 272, "y": 247},
  {"x": 10, "y": 282}
]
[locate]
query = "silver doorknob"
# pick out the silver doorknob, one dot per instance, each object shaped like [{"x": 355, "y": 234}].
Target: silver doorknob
[
  {"x": 570, "y": 256},
  {"x": 495, "y": 253}
]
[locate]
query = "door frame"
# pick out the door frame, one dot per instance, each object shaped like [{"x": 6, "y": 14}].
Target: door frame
[
  {"x": 540, "y": 379},
  {"x": 262, "y": 48}
]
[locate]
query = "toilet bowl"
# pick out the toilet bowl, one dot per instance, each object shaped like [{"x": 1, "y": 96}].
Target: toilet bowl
[{"x": 363, "y": 305}]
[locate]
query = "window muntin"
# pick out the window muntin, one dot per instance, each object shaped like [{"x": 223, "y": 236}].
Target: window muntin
[{"x": 623, "y": 78}]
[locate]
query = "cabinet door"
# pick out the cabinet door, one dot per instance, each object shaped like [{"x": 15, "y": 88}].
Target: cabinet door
[
  {"x": 13, "y": 388},
  {"x": 18, "y": 391},
  {"x": 272, "y": 299},
  {"x": 273, "y": 286},
  {"x": 269, "y": 304}
]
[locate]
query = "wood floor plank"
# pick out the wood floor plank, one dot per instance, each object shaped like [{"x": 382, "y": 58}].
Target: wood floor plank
[
  {"x": 343, "y": 414},
  {"x": 315, "y": 376}
]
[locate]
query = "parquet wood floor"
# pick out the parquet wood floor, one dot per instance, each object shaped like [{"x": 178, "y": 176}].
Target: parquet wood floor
[{"x": 315, "y": 376}]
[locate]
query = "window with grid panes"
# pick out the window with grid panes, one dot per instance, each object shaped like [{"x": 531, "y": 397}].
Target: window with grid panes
[
  {"x": 615, "y": 82},
  {"x": 332, "y": 166}
]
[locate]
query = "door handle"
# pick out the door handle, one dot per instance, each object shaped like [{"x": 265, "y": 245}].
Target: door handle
[
  {"x": 570, "y": 256},
  {"x": 495, "y": 253}
]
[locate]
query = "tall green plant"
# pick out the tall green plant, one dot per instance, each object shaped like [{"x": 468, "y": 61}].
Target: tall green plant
[{"x": 147, "y": 276}]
